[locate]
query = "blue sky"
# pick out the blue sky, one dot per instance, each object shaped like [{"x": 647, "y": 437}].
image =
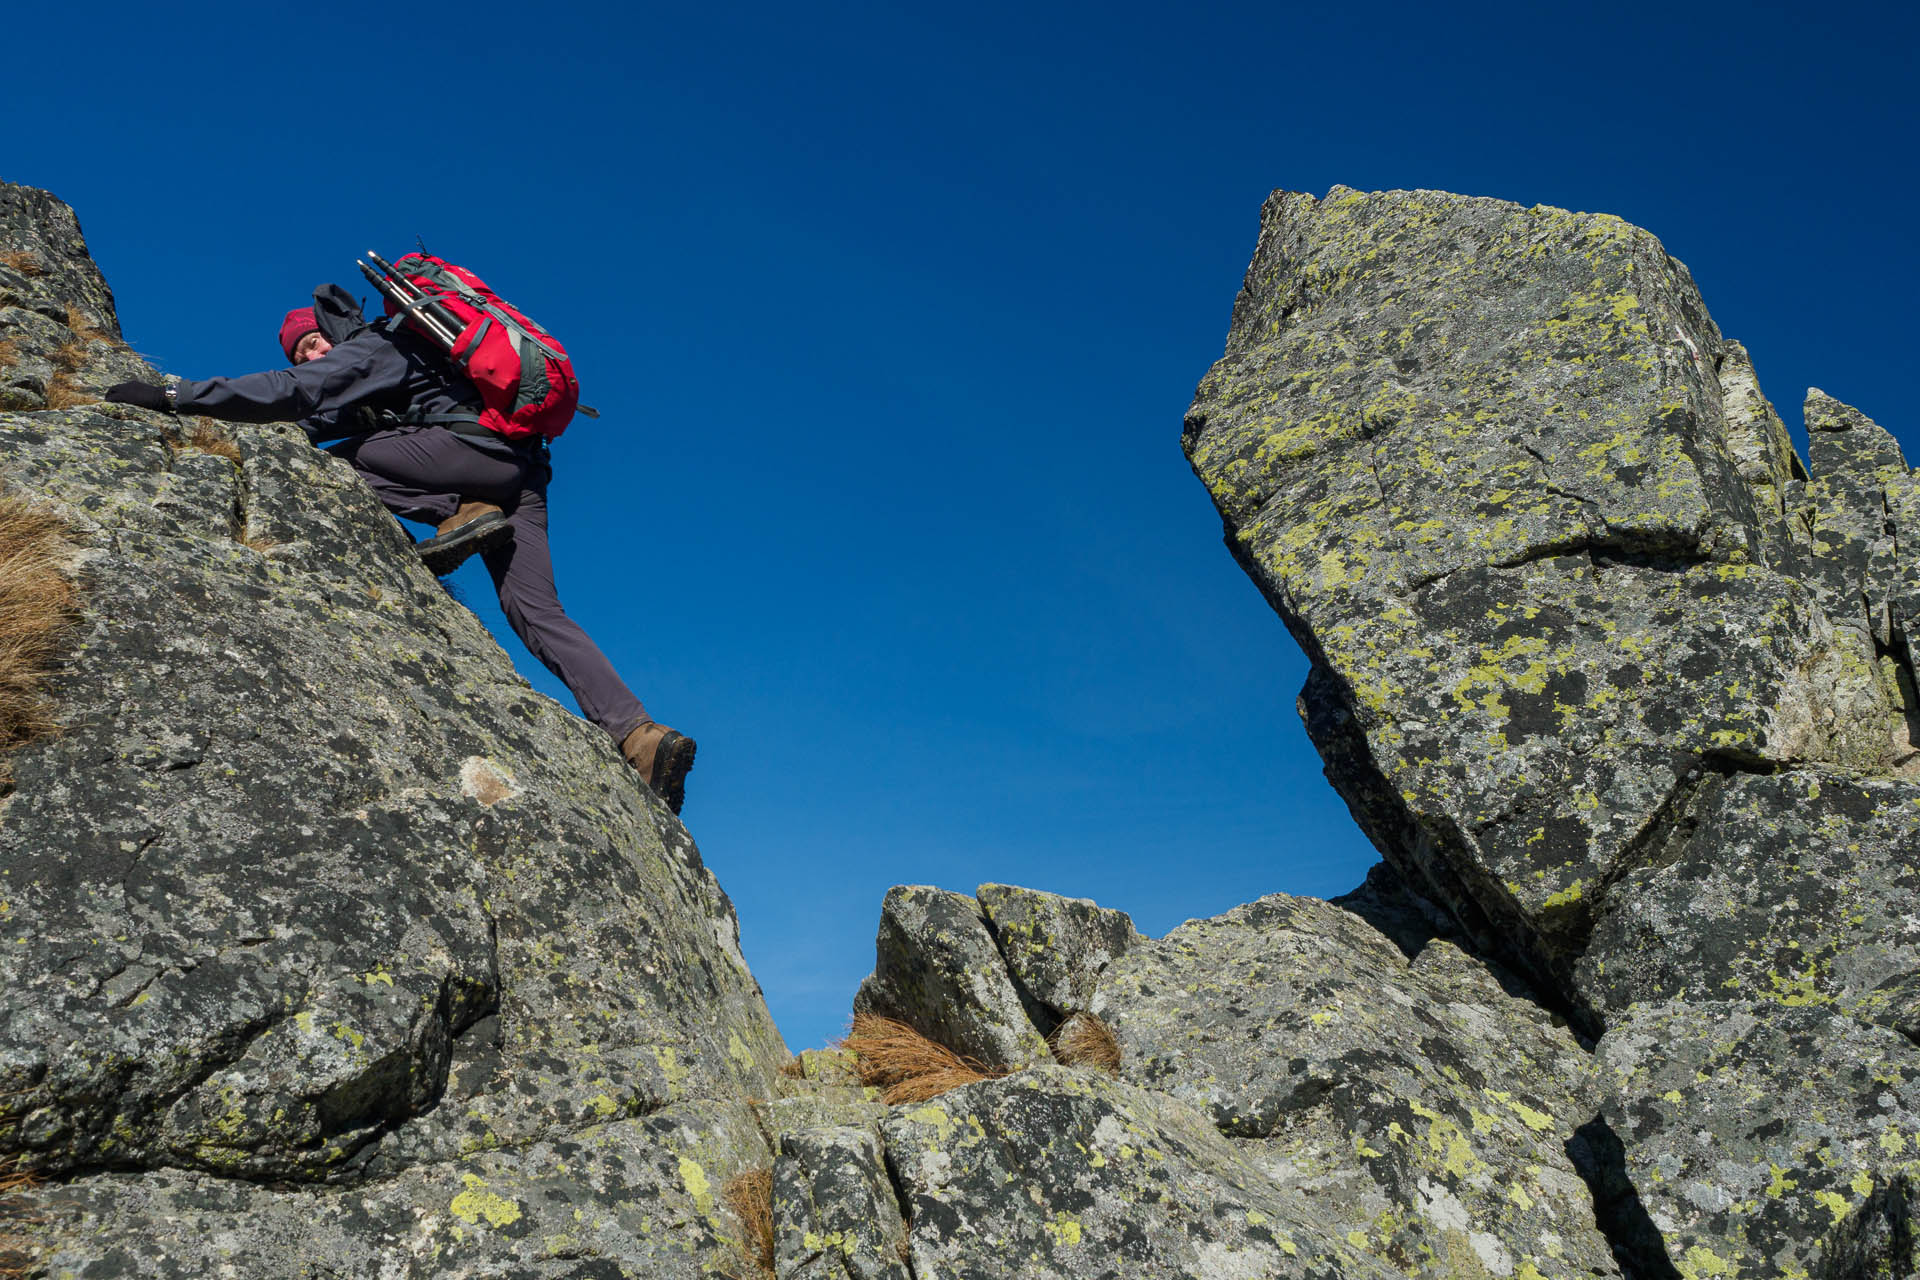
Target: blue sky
[{"x": 892, "y": 314}]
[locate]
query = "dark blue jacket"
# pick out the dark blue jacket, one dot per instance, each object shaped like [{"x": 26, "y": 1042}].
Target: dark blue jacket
[{"x": 377, "y": 370}]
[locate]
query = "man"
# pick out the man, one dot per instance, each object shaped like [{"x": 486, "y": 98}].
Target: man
[{"x": 406, "y": 421}]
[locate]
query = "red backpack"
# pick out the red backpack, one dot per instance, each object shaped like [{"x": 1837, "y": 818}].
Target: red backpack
[{"x": 526, "y": 382}]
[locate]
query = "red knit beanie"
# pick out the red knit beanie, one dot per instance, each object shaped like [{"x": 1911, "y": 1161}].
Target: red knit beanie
[{"x": 299, "y": 323}]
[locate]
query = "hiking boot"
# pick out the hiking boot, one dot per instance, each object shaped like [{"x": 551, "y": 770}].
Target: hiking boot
[
  {"x": 474, "y": 527},
  {"x": 662, "y": 757}
]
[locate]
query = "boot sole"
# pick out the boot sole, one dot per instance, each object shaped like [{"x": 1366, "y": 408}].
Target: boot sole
[
  {"x": 444, "y": 554},
  {"x": 672, "y": 759}
]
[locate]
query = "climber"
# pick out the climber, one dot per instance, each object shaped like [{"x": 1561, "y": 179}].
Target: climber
[{"x": 485, "y": 493}]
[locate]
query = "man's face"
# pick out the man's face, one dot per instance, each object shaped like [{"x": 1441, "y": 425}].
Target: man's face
[{"x": 311, "y": 347}]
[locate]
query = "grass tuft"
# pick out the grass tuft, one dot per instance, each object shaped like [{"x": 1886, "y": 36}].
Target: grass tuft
[
  {"x": 62, "y": 391},
  {"x": 83, "y": 327},
  {"x": 750, "y": 1196},
  {"x": 37, "y": 606},
  {"x": 207, "y": 438},
  {"x": 9, "y": 353},
  {"x": 905, "y": 1065},
  {"x": 794, "y": 1068},
  {"x": 17, "y": 1252},
  {"x": 25, "y": 261},
  {"x": 1083, "y": 1040},
  {"x": 63, "y": 394}
]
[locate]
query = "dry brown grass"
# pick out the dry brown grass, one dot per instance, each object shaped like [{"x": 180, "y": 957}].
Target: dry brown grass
[
  {"x": 905, "y": 1065},
  {"x": 62, "y": 392},
  {"x": 750, "y": 1196},
  {"x": 9, "y": 353},
  {"x": 25, "y": 261},
  {"x": 84, "y": 329},
  {"x": 207, "y": 438},
  {"x": 257, "y": 542},
  {"x": 1083, "y": 1040},
  {"x": 17, "y": 1252},
  {"x": 794, "y": 1068},
  {"x": 37, "y": 606}
]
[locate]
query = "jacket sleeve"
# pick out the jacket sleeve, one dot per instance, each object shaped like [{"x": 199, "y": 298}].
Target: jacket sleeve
[{"x": 354, "y": 371}]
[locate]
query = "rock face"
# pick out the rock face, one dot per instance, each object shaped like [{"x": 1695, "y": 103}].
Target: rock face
[
  {"x": 1480, "y": 458},
  {"x": 329, "y": 949},
  {"x": 1719, "y": 912}
]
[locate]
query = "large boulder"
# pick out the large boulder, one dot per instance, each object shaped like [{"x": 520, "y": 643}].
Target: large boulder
[{"x": 1544, "y": 541}]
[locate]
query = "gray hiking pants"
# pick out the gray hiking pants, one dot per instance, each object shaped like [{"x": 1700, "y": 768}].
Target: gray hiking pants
[{"x": 423, "y": 473}]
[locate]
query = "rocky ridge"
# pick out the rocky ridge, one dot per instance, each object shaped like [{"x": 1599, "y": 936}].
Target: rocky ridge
[
  {"x": 1611, "y": 676},
  {"x": 331, "y": 949}
]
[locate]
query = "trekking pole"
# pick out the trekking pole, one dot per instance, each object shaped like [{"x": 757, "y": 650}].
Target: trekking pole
[
  {"x": 413, "y": 302},
  {"x": 409, "y": 303}
]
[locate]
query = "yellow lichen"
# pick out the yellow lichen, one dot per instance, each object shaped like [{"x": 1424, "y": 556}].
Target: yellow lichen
[{"x": 477, "y": 1202}]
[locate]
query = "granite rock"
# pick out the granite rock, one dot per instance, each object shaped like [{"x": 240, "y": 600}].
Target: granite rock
[
  {"x": 1754, "y": 1132},
  {"x": 636, "y": 1199},
  {"x": 1544, "y": 541},
  {"x": 1054, "y": 948},
  {"x": 1799, "y": 888},
  {"x": 837, "y": 1213},
  {"x": 936, "y": 968},
  {"x": 1423, "y": 1103},
  {"x": 1058, "y": 1173}
]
